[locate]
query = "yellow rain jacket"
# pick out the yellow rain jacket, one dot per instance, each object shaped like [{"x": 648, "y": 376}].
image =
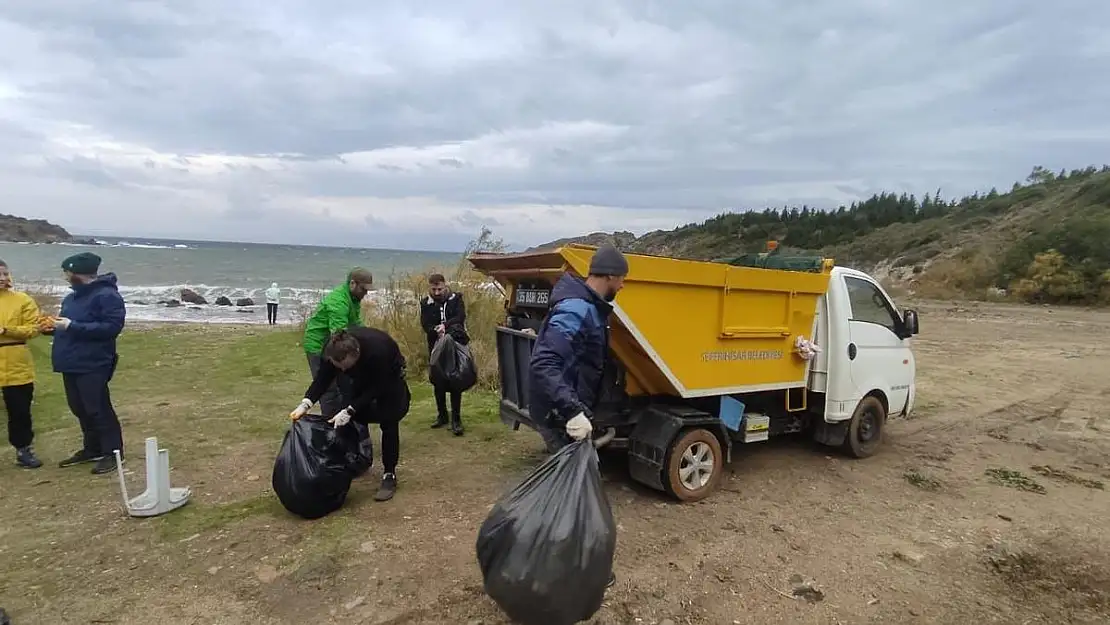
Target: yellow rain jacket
[{"x": 19, "y": 318}]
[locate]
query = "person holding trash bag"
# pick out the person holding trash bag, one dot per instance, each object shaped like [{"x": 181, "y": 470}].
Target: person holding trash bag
[
  {"x": 442, "y": 313},
  {"x": 377, "y": 391},
  {"x": 568, "y": 359},
  {"x": 546, "y": 549}
]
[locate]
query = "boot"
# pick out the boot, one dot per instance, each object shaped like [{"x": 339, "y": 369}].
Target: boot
[
  {"x": 456, "y": 424},
  {"x": 441, "y": 420}
]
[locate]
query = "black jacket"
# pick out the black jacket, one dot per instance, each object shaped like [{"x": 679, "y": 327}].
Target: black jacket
[
  {"x": 377, "y": 386},
  {"x": 451, "y": 312}
]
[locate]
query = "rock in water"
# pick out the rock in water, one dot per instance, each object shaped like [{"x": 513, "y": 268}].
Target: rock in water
[
  {"x": 223, "y": 301},
  {"x": 190, "y": 296},
  {"x": 173, "y": 303},
  {"x": 245, "y": 301}
]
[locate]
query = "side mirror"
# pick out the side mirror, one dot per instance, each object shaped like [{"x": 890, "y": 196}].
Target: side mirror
[{"x": 909, "y": 320}]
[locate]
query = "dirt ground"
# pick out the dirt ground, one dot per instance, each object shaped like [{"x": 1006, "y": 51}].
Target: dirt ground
[{"x": 987, "y": 506}]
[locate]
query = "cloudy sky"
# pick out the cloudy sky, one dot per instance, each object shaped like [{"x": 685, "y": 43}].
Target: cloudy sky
[{"x": 413, "y": 123}]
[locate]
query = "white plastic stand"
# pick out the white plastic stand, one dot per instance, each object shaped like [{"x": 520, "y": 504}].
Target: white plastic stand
[{"x": 158, "y": 498}]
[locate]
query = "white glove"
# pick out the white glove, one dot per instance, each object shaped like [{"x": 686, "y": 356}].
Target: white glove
[
  {"x": 301, "y": 409},
  {"x": 61, "y": 323},
  {"x": 340, "y": 419},
  {"x": 579, "y": 427}
]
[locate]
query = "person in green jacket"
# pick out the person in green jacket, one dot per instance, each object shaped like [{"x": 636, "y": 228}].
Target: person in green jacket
[{"x": 340, "y": 309}]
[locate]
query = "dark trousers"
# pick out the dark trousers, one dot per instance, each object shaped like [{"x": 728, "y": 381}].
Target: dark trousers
[
  {"x": 271, "y": 313},
  {"x": 90, "y": 401},
  {"x": 441, "y": 402},
  {"x": 17, "y": 401},
  {"x": 388, "y": 415}
]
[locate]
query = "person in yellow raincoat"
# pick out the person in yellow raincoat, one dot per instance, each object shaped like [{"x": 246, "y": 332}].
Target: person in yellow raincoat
[{"x": 19, "y": 323}]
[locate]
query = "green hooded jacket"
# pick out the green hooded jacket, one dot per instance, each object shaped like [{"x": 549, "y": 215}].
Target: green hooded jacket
[{"x": 336, "y": 311}]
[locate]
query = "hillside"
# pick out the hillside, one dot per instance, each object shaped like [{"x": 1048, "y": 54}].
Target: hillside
[
  {"x": 1043, "y": 241},
  {"x": 24, "y": 230}
]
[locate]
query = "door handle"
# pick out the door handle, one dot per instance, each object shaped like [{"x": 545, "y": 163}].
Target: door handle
[{"x": 851, "y": 351}]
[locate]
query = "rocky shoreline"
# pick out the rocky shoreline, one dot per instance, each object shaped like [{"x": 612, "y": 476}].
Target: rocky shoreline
[{"x": 190, "y": 297}]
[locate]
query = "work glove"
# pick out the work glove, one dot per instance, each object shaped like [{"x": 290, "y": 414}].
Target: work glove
[
  {"x": 61, "y": 323},
  {"x": 341, "y": 418},
  {"x": 579, "y": 427},
  {"x": 301, "y": 409}
]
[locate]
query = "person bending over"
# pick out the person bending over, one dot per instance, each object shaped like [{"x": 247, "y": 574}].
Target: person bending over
[{"x": 377, "y": 391}]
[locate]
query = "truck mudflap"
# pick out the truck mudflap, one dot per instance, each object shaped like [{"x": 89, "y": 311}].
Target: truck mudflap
[
  {"x": 656, "y": 428},
  {"x": 514, "y": 352}
]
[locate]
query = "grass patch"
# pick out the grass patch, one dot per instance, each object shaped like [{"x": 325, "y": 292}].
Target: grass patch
[
  {"x": 922, "y": 481},
  {"x": 196, "y": 518},
  {"x": 1015, "y": 479},
  {"x": 1071, "y": 478}
]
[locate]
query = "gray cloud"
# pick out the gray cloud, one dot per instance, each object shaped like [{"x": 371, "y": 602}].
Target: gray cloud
[{"x": 620, "y": 114}]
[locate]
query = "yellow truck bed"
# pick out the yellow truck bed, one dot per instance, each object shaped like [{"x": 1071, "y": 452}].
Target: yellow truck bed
[{"x": 690, "y": 328}]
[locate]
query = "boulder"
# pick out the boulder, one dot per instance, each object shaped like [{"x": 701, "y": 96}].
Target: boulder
[
  {"x": 244, "y": 301},
  {"x": 190, "y": 296},
  {"x": 223, "y": 301},
  {"x": 173, "y": 304}
]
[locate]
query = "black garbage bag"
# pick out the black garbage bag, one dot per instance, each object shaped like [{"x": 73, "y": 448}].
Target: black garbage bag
[
  {"x": 452, "y": 365},
  {"x": 546, "y": 549},
  {"x": 315, "y": 466}
]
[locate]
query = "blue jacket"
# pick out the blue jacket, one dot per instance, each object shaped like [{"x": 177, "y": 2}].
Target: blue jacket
[
  {"x": 568, "y": 359},
  {"x": 96, "y": 313}
]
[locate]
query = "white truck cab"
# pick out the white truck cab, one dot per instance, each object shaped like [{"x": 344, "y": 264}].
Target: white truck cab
[{"x": 866, "y": 363}]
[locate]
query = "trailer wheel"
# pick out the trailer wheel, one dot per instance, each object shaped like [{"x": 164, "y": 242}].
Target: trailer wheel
[
  {"x": 694, "y": 465},
  {"x": 865, "y": 430}
]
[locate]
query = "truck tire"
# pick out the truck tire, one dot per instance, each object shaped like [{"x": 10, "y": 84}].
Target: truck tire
[
  {"x": 865, "y": 430},
  {"x": 694, "y": 465}
]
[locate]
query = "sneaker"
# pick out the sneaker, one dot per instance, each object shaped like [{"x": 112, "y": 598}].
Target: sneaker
[
  {"x": 27, "y": 459},
  {"x": 388, "y": 487},
  {"x": 107, "y": 464},
  {"x": 612, "y": 580},
  {"x": 80, "y": 457},
  {"x": 441, "y": 421},
  {"x": 456, "y": 426}
]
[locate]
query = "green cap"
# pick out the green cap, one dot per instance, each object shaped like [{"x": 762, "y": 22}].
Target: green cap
[{"x": 85, "y": 264}]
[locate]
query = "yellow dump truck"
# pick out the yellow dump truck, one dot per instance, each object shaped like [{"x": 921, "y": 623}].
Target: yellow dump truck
[{"x": 707, "y": 354}]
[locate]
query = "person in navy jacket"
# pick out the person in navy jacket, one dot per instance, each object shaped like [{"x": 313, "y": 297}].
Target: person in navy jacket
[
  {"x": 568, "y": 359},
  {"x": 84, "y": 352}
]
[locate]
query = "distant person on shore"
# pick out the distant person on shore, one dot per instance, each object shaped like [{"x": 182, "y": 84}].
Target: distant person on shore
[
  {"x": 273, "y": 297},
  {"x": 19, "y": 323},
  {"x": 84, "y": 352},
  {"x": 443, "y": 312},
  {"x": 340, "y": 309},
  {"x": 377, "y": 393}
]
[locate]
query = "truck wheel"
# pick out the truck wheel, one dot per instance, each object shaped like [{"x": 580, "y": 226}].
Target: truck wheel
[
  {"x": 865, "y": 430},
  {"x": 694, "y": 465}
]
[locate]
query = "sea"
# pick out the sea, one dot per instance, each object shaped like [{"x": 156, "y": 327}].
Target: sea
[{"x": 151, "y": 272}]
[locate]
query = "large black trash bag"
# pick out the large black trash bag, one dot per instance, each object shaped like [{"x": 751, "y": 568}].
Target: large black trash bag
[
  {"x": 452, "y": 365},
  {"x": 546, "y": 549},
  {"x": 315, "y": 466}
]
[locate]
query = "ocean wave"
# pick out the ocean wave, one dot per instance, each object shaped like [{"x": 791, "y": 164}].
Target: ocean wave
[{"x": 164, "y": 302}]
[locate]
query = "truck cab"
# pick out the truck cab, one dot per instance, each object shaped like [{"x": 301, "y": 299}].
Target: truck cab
[{"x": 706, "y": 357}]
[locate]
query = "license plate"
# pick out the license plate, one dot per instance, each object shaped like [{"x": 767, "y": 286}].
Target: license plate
[{"x": 537, "y": 298}]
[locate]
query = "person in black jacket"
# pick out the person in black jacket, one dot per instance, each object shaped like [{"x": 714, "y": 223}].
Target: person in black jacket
[
  {"x": 443, "y": 312},
  {"x": 377, "y": 391}
]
